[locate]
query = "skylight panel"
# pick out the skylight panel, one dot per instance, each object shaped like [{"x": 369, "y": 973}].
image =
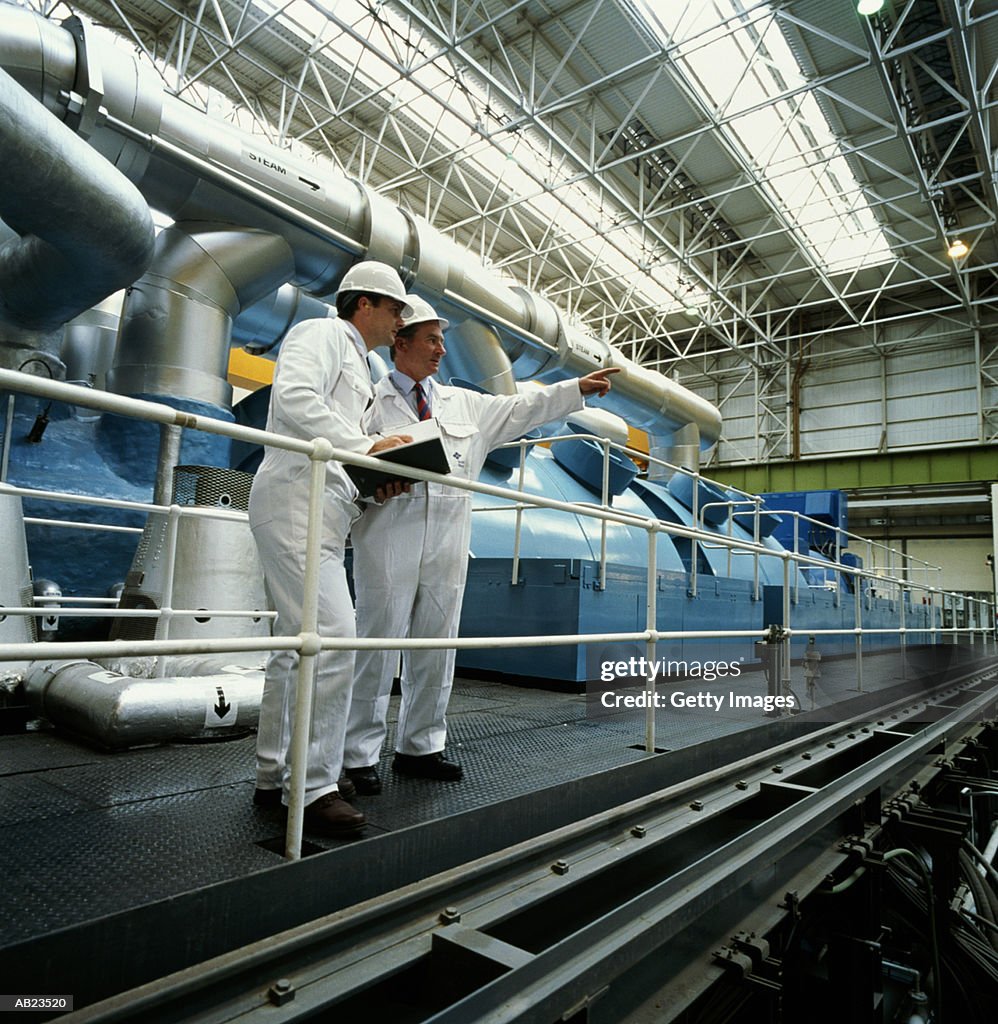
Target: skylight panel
[
  {"x": 738, "y": 61},
  {"x": 429, "y": 99},
  {"x": 370, "y": 49}
]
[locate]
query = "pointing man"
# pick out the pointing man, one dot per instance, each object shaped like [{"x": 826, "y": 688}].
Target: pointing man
[
  {"x": 411, "y": 554},
  {"x": 321, "y": 388}
]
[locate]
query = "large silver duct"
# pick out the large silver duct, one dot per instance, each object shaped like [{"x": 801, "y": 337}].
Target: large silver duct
[
  {"x": 475, "y": 354},
  {"x": 681, "y": 448},
  {"x": 118, "y": 711},
  {"x": 177, "y": 319},
  {"x": 216, "y": 567},
  {"x": 600, "y": 423},
  {"x": 260, "y": 326},
  {"x": 15, "y": 592},
  {"x": 88, "y": 343},
  {"x": 193, "y": 168},
  {"x": 212, "y": 696},
  {"x": 85, "y": 230}
]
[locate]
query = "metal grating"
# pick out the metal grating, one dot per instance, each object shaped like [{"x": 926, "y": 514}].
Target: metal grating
[
  {"x": 89, "y": 834},
  {"x": 210, "y": 486}
]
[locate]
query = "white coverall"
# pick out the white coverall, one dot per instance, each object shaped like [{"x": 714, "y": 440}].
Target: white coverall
[
  {"x": 321, "y": 388},
  {"x": 410, "y": 560}
]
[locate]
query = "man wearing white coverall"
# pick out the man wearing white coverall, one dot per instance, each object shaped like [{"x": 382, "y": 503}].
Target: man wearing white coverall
[
  {"x": 321, "y": 388},
  {"x": 411, "y": 554}
]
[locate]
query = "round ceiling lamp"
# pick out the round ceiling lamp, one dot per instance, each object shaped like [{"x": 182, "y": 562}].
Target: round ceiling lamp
[{"x": 868, "y": 7}]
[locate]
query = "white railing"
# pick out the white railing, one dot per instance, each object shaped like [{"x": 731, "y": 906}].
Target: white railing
[{"x": 308, "y": 643}]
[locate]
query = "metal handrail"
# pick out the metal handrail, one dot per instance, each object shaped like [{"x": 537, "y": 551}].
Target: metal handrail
[{"x": 308, "y": 643}]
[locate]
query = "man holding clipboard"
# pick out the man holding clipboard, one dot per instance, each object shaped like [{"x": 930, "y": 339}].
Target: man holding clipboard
[
  {"x": 411, "y": 553},
  {"x": 321, "y": 388}
]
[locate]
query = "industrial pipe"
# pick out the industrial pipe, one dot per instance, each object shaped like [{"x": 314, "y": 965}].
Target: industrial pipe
[
  {"x": 177, "y": 318},
  {"x": 118, "y": 711},
  {"x": 193, "y": 168},
  {"x": 85, "y": 230}
]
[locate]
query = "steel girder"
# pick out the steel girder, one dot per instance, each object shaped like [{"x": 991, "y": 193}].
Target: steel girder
[{"x": 431, "y": 101}]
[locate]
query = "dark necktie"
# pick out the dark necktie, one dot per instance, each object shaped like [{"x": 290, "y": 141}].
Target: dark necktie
[{"x": 422, "y": 406}]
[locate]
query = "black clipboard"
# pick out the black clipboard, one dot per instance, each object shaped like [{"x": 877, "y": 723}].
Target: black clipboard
[{"x": 423, "y": 452}]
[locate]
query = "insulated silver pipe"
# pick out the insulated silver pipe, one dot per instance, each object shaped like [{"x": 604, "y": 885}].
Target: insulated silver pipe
[
  {"x": 682, "y": 448},
  {"x": 177, "y": 319},
  {"x": 85, "y": 230},
  {"x": 260, "y": 326},
  {"x": 88, "y": 342},
  {"x": 193, "y": 168},
  {"x": 475, "y": 354},
  {"x": 120, "y": 711}
]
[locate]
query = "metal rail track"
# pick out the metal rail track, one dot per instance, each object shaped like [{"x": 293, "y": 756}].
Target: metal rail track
[{"x": 539, "y": 931}]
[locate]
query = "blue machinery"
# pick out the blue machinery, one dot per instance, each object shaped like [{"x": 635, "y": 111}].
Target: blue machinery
[{"x": 565, "y": 594}]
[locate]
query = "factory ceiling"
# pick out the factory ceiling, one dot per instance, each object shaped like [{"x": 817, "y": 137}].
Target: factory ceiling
[{"x": 680, "y": 177}]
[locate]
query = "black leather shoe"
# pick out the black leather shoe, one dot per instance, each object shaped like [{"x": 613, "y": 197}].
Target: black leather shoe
[
  {"x": 272, "y": 797},
  {"x": 267, "y": 797},
  {"x": 365, "y": 781},
  {"x": 428, "y": 766},
  {"x": 331, "y": 815}
]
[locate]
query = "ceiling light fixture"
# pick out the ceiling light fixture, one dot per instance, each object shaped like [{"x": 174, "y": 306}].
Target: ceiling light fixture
[
  {"x": 957, "y": 249},
  {"x": 868, "y": 7}
]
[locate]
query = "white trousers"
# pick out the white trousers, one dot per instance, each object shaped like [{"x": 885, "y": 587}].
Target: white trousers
[
  {"x": 284, "y": 568},
  {"x": 409, "y": 583}
]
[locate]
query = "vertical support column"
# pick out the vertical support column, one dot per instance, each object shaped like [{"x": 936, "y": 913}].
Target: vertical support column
[
  {"x": 311, "y": 645},
  {"x": 651, "y": 624},
  {"x": 994, "y": 558},
  {"x": 169, "y": 569},
  {"x": 858, "y": 621}
]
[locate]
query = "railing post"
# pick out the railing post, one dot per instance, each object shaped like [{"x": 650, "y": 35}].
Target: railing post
[
  {"x": 651, "y": 624},
  {"x": 7, "y": 428},
  {"x": 606, "y": 506},
  {"x": 694, "y": 541},
  {"x": 169, "y": 568},
  {"x": 519, "y": 516},
  {"x": 311, "y": 645},
  {"x": 785, "y": 652},
  {"x": 904, "y": 635},
  {"x": 731, "y": 531},
  {"x": 796, "y": 516},
  {"x": 756, "y": 532},
  {"x": 857, "y": 591}
]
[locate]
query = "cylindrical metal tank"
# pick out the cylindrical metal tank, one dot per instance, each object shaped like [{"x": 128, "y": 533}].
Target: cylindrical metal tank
[
  {"x": 16, "y": 590},
  {"x": 216, "y": 565}
]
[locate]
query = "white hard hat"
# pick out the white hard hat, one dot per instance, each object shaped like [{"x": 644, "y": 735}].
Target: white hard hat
[
  {"x": 375, "y": 278},
  {"x": 421, "y": 312}
]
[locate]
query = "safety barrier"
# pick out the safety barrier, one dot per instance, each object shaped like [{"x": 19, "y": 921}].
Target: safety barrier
[{"x": 308, "y": 643}]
